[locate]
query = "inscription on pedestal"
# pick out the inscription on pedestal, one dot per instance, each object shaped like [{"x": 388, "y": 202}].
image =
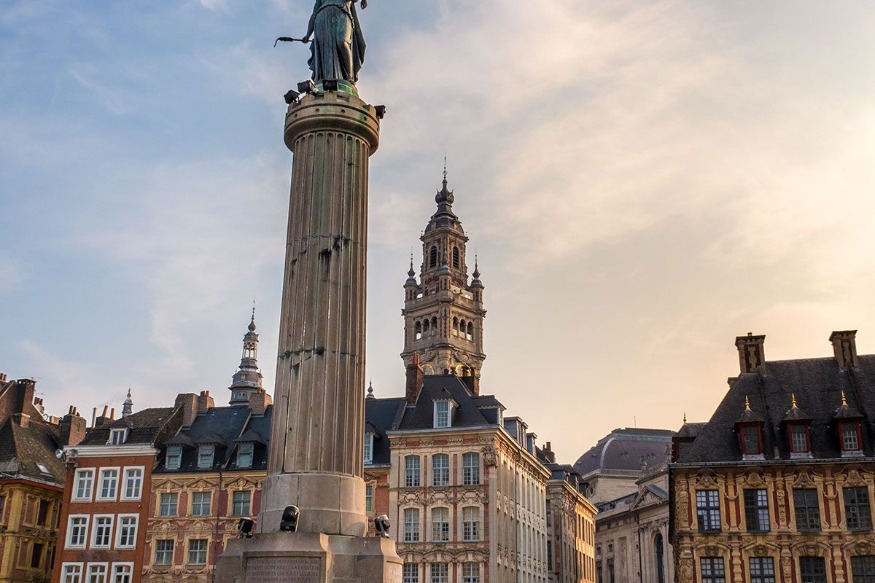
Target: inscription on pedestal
[{"x": 284, "y": 570}]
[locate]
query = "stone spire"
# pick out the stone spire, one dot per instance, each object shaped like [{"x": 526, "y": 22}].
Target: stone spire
[
  {"x": 443, "y": 312},
  {"x": 128, "y": 406},
  {"x": 247, "y": 379}
]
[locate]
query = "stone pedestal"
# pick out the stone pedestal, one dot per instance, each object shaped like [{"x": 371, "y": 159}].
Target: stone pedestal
[{"x": 315, "y": 460}]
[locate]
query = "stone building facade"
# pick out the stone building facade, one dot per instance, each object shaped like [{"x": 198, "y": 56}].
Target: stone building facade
[
  {"x": 778, "y": 485},
  {"x": 31, "y": 480}
]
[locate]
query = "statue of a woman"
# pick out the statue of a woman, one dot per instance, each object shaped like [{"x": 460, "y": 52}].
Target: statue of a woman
[{"x": 338, "y": 47}]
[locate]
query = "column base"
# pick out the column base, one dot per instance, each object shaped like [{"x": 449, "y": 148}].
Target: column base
[{"x": 329, "y": 503}]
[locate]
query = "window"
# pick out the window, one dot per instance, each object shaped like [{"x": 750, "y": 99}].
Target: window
[
  {"x": 36, "y": 556},
  {"x": 2, "y": 506},
  {"x": 751, "y": 440},
  {"x": 756, "y": 510},
  {"x": 807, "y": 509},
  {"x": 168, "y": 504},
  {"x": 244, "y": 454},
  {"x": 205, "y": 456},
  {"x": 174, "y": 457},
  {"x": 659, "y": 547},
  {"x": 440, "y": 525},
  {"x": 163, "y": 552},
  {"x": 101, "y": 534},
  {"x": 442, "y": 413},
  {"x": 850, "y": 437},
  {"x": 77, "y": 530},
  {"x": 432, "y": 256},
  {"x": 117, "y": 436},
  {"x": 108, "y": 484},
  {"x": 83, "y": 483},
  {"x": 43, "y": 512},
  {"x": 456, "y": 257},
  {"x": 71, "y": 573},
  {"x": 798, "y": 439},
  {"x": 812, "y": 570},
  {"x": 470, "y": 523},
  {"x": 411, "y": 525},
  {"x": 126, "y": 537},
  {"x": 762, "y": 570},
  {"x": 440, "y": 470},
  {"x": 470, "y": 572},
  {"x": 440, "y": 573},
  {"x": 712, "y": 570},
  {"x": 369, "y": 498},
  {"x": 200, "y": 503},
  {"x": 411, "y": 471},
  {"x": 410, "y": 573},
  {"x": 133, "y": 484},
  {"x": 121, "y": 572},
  {"x": 470, "y": 469},
  {"x": 857, "y": 508},
  {"x": 369, "y": 448},
  {"x": 197, "y": 551},
  {"x": 708, "y": 510},
  {"x": 240, "y": 505},
  {"x": 96, "y": 573},
  {"x": 863, "y": 569}
]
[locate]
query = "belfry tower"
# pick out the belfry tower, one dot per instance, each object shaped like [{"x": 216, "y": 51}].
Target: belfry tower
[
  {"x": 443, "y": 312},
  {"x": 247, "y": 380}
]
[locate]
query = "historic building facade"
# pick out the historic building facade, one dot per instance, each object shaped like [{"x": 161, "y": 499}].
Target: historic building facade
[
  {"x": 31, "y": 480},
  {"x": 779, "y": 484},
  {"x": 209, "y": 476}
]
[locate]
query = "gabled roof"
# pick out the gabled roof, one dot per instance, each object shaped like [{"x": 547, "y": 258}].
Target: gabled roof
[
  {"x": 24, "y": 449},
  {"x": 144, "y": 427},
  {"x": 818, "y": 384}
]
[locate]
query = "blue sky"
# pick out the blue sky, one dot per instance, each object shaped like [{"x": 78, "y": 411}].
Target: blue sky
[{"x": 642, "y": 182}]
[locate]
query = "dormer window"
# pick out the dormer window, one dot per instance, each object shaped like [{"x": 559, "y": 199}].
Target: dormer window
[
  {"x": 117, "y": 436},
  {"x": 799, "y": 440},
  {"x": 751, "y": 440},
  {"x": 443, "y": 413},
  {"x": 369, "y": 448},
  {"x": 796, "y": 426},
  {"x": 750, "y": 433},
  {"x": 244, "y": 454},
  {"x": 850, "y": 436},
  {"x": 174, "y": 457},
  {"x": 205, "y": 454}
]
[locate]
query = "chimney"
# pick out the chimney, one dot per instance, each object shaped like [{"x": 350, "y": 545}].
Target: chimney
[
  {"x": 205, "y": 402},
  {"x": 102, "y": 420},
  {"x": 23, "y": 419},
  {"x": 471, "y": 380},
  {"x": 2, "y": 377},
  {"x": 844, "y": 346},
  {"x": 531, "y": 443},
  {"x": 188, "y": 403},
  {"x": 751, "y": 355},
  {"x": 414, "y": 380},
  {"x": 72, "y": 428},
  {"x": 549, "y": 454},
  {"x": 258, "y": 402}
]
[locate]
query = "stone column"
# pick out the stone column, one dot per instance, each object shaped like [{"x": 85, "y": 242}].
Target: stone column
[{"x": 315, "y": 459}]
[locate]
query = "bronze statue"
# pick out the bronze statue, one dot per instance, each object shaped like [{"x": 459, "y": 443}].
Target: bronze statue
[{"x": 338, "y": 48}]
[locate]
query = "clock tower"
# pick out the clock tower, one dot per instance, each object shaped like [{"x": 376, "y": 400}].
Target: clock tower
[{"x": 443, "y": 312}]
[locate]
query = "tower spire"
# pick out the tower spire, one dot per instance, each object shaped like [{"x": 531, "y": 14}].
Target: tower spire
[
  {"x": 128, "y": 406},
  {"x": 247, "y": 379}
]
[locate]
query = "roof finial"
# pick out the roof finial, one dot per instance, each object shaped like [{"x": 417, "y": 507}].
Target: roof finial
[
  {"x": 685, "y": 417},
  {"x": 445, "y": 169},
  {"x": 252, "y": 321},
  {"x": 793, "y": 401},
  {"x": 370, "y": 390},
  {"x": 844, "y": 400},
  {"x": 746, "y": 403}
]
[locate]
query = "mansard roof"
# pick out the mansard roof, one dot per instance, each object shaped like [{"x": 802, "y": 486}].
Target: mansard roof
[
  {"x": 470, "y": 411},
  {"x": 380, "y": 416},
  {"x": 226, "y": 428},
  {"x": 144, "y": 427},
  {"x": 626, "y": 449},
  {"x": 818, "y": 384}
]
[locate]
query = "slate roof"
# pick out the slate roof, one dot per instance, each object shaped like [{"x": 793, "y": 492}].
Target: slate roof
[
  {"x": 224, "y": 427},
  {"x": 625, "y": 449},
  {"x": 380, "y": 415},
  {"x": 471, "y": 410},
  {"x": 818, "y": 384},
  {"x": 145, "y": 427},
  {"x": 24, "y": 449}
]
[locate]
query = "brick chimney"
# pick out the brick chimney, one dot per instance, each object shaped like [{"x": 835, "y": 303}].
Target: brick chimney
[
  {"x": 751, "y": 355},
  {"x": 103, "y": 420},
  {"x": 548, "y": 453},
  {"x": 72, "y": 428},
  {"x": 414, "y": 380},
  {"x": 471, "y": 380},
  {"x": 258, "y": 402},
  {"x": 205, "y": 402},
  {"x": 844, "y": 346},
  {"x": 188, "y": 403}
]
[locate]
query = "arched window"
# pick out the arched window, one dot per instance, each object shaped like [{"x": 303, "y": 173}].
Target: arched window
[
  {"x": 470, "y": 523},
  {"x": 456, "y": 257},
  {"x": 470, "y": 331},
  {"x": 455, "y": 326},
  {"x": 434, "y": 327},
  {"x": 470, "y": 469},
  {"x": 440, "y": 524},
  {"x": 432, "y": 256},
  {"x": 417, "y": 331},
  {"x": 411, "y": 525},
  {"x": 425, "y": 327},
  {"x": 660, "y": 551},
  {"x": 440, "y": 469}
]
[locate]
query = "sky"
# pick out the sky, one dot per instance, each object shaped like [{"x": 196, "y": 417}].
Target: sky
[{"x": 642, "y": 182}]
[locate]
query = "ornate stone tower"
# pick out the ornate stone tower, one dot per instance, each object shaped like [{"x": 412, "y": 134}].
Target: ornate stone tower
[
  {"x": 247, "y": 379},
  {"x": 443, "y": 313}
]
